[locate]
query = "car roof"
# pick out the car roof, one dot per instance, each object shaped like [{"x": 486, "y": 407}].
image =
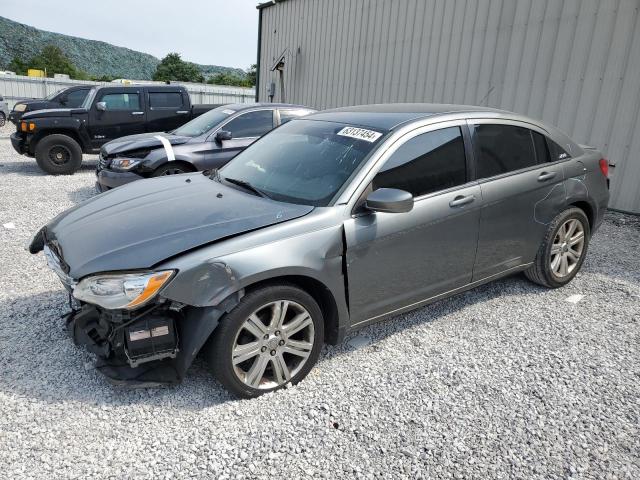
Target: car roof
[
  {"x": 387, "y": 116},
  {"x": 246, "y": 106}
]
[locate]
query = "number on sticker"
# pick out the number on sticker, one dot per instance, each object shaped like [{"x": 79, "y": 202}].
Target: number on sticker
[{"x": 360, "y": 133}]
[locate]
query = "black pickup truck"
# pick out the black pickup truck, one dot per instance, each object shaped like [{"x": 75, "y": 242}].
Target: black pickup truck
[
  {"x": 58, "y": 137},
  {"x": 70, "y": 97}
]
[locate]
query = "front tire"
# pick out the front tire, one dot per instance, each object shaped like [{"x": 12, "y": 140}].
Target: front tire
[
  {"x": 562, "y": 251},
  {"x": 272, "y": 338},
  {"x": 58, "y": 154},
  {"x": 3, "y": 119}
]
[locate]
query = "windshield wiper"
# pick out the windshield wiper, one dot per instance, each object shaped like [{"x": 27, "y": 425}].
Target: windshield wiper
[{"x": 247, "y": 186}]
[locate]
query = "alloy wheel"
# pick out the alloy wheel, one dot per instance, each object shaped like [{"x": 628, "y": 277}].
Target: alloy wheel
[
  {"x": 567, "y": 248},
  {"x": 273, "y": 344}
]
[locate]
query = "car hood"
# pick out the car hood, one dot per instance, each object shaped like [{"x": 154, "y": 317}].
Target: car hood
[
  {"x": 140, "y": 142},
  {"x": 52, "y": 112},
  {"x": 36, "y": 104},
  {"x": 141, "y": 224}
]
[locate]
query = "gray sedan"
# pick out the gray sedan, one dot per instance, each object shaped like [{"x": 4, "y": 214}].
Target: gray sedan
[{"x": 329, "y": 223}]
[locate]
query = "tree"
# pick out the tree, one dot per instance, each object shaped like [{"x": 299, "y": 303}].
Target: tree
[
  {"x": 52, "y": 60},
  {"x": 252, "y": 74},
  {"x": 18, "y": 65},
  {"x": 172, "y": 67}
]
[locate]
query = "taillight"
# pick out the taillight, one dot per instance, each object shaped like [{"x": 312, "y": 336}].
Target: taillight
[{"x": 604, "y": 167}]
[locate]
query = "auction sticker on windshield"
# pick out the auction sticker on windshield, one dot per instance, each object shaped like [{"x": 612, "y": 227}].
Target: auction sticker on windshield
[
  {"x": 360, "y": 134},
  {"x": 228, "y": 112}
]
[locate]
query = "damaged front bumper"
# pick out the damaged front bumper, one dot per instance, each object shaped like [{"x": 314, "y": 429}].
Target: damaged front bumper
[{"x": 151, "y": 347}]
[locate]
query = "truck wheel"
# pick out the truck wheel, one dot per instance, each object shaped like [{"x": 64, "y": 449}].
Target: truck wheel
[
  {"x": 3, "y": 119},
  {"x": 562, "y": 251},
  {"x": 272, "y": 338},
  {"x": 58, "y": 154}
]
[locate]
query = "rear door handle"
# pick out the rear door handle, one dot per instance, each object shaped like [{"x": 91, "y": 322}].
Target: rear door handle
[
  {"x": 137, "y": 113},
  {"x": 182, "y": 111},
  {"x": 544, "y": 176},
  {"x": 461, "y": 200}
]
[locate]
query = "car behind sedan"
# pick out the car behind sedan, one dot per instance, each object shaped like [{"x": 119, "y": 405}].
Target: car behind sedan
[
  {"x": 329, "y": 223},
  {"x": 206, "y": 142}
]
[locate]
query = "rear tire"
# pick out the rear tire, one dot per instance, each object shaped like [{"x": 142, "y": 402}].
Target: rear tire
[
  {"x": 172, "y": 168},
  {"x": 562, "y": 251},
  {"x": 3, "y": 119},
  {"x": 58, "y": 154},
  {"x": 257, "y": 349}
]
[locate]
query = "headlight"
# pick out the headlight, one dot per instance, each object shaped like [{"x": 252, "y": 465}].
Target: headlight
[
  {"x": 20, "y": 107},
  {"x": 126, "y": 290},
  {"x": 124, "y": 164}
]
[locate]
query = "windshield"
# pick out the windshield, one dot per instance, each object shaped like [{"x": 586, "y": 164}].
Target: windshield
[
  {"x": 303, "y": 161},
  {"x": 54, "y": 94},
  {"x": 204, "y": 122}
]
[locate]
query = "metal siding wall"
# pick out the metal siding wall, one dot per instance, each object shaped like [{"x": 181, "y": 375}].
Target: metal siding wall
[
  {"x": 572, "y": 63},
  {"x": 17, "y": 87}
]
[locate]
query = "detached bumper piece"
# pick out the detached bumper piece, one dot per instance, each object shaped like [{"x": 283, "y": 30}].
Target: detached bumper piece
[{"x": 134, "y": 349}]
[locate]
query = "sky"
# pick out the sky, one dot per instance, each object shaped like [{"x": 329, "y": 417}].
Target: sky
[{"x": 212, "y": 32}]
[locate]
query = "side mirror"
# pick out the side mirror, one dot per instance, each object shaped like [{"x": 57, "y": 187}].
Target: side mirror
[
  {"x": 223, "y": 135},
  {"x": 101, "y": 106},
  {"x": 389, "y": 200}
]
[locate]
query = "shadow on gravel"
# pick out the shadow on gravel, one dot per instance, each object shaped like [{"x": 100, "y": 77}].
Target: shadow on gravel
[
  {"x": 39, "y": 360},
  {"x": 29, "y": 167}
]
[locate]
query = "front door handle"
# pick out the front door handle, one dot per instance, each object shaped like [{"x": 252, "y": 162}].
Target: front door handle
[
  {"x": 461, "y": 200},
  {"x": 137, "y": 113},
  {"x": 544, "y": 176},
  {"x": 182, "y": 112}
]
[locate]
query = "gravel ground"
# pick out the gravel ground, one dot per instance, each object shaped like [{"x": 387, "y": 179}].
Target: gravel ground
[{"x": 507, "y": 381}]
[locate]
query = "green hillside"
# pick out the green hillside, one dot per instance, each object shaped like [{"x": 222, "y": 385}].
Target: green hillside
[{"x": 92, "y": 56}]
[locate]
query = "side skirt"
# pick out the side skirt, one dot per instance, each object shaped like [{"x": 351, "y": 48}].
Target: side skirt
[{"x": 435, "y": 298}]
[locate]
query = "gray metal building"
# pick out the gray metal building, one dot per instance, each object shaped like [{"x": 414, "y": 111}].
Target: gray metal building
[{"x": 572, "y": 63}]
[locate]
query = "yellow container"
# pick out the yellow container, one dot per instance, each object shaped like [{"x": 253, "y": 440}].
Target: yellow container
[{"x": 33, "y": 72}]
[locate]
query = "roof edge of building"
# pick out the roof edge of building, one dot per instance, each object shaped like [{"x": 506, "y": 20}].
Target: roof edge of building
[{"x": 270, "y": 3}]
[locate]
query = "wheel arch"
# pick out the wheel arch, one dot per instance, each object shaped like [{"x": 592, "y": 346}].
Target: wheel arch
[
  {"x": 55, "y": 131},
  {"x": 588, "y": 210},
  {"x": 177, "y": 161}
]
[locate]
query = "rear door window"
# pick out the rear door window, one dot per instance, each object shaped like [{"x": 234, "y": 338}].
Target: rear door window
[
  {"x": 165, "y": 99},
  {"x": 540, "y": 144},
  {"x": 251, "y": 124},
  {"x": 556, "y": 151},
  {"x": 426, "y": 163},
  {"x": 502, "y": 149}
]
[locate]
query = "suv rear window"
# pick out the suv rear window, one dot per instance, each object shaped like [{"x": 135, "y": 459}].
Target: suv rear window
[
  {"x": 165, "y": 99},
  {"x": 502, "y": 148}
]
